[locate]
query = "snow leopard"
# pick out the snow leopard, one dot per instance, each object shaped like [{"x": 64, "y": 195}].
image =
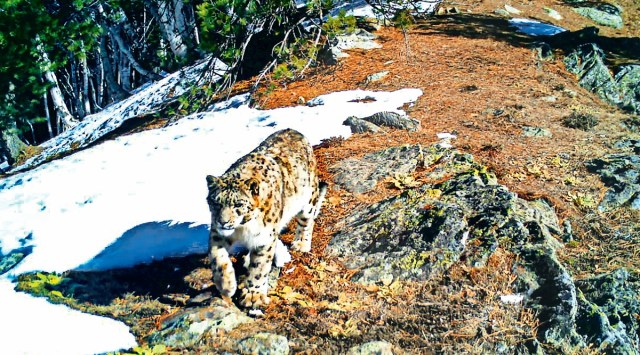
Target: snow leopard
[{"x": 252, "y": 202}]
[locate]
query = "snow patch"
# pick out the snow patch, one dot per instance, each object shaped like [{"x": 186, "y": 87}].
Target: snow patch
[
  {"x": 34, "y": 326},
  {"x": 535, "y": 28},
  {"x": 512, "y": 299}
]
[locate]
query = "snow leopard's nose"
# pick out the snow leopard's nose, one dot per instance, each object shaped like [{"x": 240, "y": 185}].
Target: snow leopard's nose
[{"x": 225, "y": 225}]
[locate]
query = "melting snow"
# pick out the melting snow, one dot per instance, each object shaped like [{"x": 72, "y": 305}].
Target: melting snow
[
  {"x": 512, "y": 299},
  {"x": 136, "y": 199}
]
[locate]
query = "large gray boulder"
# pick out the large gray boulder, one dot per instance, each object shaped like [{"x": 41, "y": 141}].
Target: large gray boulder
[
  {"x": 621, "y": 174},
  {"x": 192, "y": 326},
  {"x": 628, "y": 81},
  {"x": 264, "y": 344},
  {"x": 587, "y": 61},
  {"x": 601, "y": 13},
  {"x": 609, "y": 305},
  {"x": 423, "y": 231}
]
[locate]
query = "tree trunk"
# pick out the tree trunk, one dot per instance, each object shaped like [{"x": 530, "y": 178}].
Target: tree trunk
[
  {"x": 75, "y": 87},
  {"x": 62, "y": 112},
  {"x": 177, "y": 24},
  {"x": 47, "y": 114},
  {"x": 124, "y": 48},
  {"x": 85, "y": 86},
  {"x": 116, "y": 92}
]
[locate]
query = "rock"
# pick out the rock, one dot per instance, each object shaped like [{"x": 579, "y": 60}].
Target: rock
[
  {"x": 361, "y": 175},
  {"x": 372, "y": 348},
  {"x": 423, "y": 231},
  {"x": 607, "y": 314},
  {"x": 512, "y": 10},
  {"x": 359, "y": 125},
  {"x": 580, "y": 120},
  {"x": 7, "y": 262},
  {"x": 264, "y": 344},
  {"x": 190, "y": 326},
  {"x": 330, "y": 54},
  {"x": 553, "y": 13},
  {"x": 628, "y": 144},
  {"x": 621, "y": 173},
  {"x": 377, "y": 76},
  {"x": 628, "y": 80},
  {"x": 359, "y": 39},
  {"x": 418, "y": 234},
  {"x": 603, "y": 14},
  {"x": 502, "y": 12},
  {"x": 623, "y": 90},
  {"x": 393, "y": 120},
  {"x": 587, "y": 62},
  {"x": 543, "y": 51},
  {"x": 528, "y": 131},
  {"x": 552, "y": 295}
]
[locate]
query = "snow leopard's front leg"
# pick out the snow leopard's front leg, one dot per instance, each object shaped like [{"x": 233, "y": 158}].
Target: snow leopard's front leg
[
  {"x": 224, "y": 276},
  {"x": 255, "y": 285},
  {"x": 306, "y": 219}
]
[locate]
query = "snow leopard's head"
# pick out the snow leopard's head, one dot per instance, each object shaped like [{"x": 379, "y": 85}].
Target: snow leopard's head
[{"x": 232, "y": 202}]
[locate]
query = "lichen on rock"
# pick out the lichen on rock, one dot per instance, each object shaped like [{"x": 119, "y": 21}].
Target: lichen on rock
[
  {"x": 422, "y": 232},
  {"x": 190, "y": 327}
]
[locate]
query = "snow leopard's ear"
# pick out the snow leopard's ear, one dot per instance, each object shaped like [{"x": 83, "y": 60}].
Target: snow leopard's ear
[
  {"x": 253, "y": 186},
  {"x": 212, "y": 181}
]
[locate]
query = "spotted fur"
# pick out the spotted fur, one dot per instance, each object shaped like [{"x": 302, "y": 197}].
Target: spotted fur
[{"x": 253, "y": 201}]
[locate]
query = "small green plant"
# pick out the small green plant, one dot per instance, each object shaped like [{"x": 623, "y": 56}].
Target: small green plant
[
  {"x": 44, "y": 285},
  {"x": 144, "y": 350},
  {"x": 341, "y": 24},
  {"x": 583, "y": 201},
  {"x": 404, "y": 20},
  {"x": 282, "y": 72}
]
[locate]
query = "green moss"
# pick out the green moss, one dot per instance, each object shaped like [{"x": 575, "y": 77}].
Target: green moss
[{"x": 47, "y": 285}]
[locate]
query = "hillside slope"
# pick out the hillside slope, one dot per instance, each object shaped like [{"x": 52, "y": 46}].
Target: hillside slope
[{"x": 511, "y": 111}]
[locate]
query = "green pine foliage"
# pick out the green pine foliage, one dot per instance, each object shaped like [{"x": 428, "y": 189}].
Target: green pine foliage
[{"x": 62, "y": 29}]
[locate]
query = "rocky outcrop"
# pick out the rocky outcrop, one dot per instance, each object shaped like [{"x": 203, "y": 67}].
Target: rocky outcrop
[
  {"x": 264, "y": 343},
  {"x": 189, "y": 328},
  {"x": 362, "y": 175},
  {"x": 335, "y": 47},
  {"x": 621, "y": 89},
  {"x": 621, "y": 173},
  {"x": 374, "y": 122},
  {"x": 422, "y": 231},
  {"x": 601, "y": 13},
  {"x": 10, "y": 148},
  {"x": 608, "y": 309},
  {"x": 463, "y": 217}
]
